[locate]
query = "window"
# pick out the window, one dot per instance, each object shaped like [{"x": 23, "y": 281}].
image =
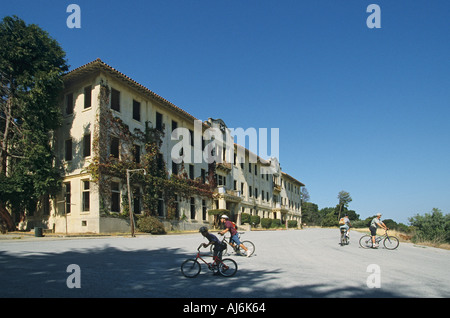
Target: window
[
  {"x": 249, "y": 167},
  {"x": 256, "y": 170},
  {"x": 69, "y": 104},
  {"x": 192, "y": 208},
  {"x": 204, "y": 209},
  {"x": 191, "y": 138},
  {"x": 221, "y": 180},
  {"x": 174, "y": 168},
  {"x": 203, "y": 175},
  {"x": 86, "y": 195},
  {"x": 87, "y": 145},
  {"x": 137, "y": 201},
  {"x": 262, "y": 195},
  {"x": 250, "y": 194},
  {"x": 68, "y": 150},
  {"x": 174, "y": 126},
  {"x": 137, "y": 153},
  {"x": 115, "y": 100},
  {"x": 191, "y": 172},
  {"x": 115, "y": 197},
  {"x": 159, "y": 121},
  {"x": 87, "y": 96},
  {"x": 160, "y": 205},
  {"x": 176, "y": 206},
  {"x": 136, "y": 110},
  {"x": 224, "y": 155},
  {"x": 160, "y": 161},
  {"x": 67, "y": 197},
  {"x": 114, "y": 147},
  {"x": 256, "y": 193}
]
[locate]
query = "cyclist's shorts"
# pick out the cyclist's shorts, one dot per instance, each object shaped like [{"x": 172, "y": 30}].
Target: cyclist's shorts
[
  {"x": 373, "y": 231},
  {"x": 235, "y": 238}
]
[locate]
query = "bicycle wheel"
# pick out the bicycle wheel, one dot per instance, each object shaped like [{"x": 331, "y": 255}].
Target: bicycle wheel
[
  {"x": 391, "y": 242},
  {"x": 190, "y": 268},
  {"x": 342, "y": 239},
  {"x": 228, "y": 267},
  {"x": 249, "y": 245},
  {"x": 365, "y": 241}
]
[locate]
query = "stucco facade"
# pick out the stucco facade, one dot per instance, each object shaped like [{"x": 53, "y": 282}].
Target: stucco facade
[{"x": 241, "y": 185}]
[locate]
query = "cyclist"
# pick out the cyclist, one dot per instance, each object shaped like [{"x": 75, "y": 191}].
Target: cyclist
[
  {"x": 374, "y": 224},
  {"x": 346, "y": 225},
  {"x": 218, "y": 245},
  {"x": 234, "y": 235}
]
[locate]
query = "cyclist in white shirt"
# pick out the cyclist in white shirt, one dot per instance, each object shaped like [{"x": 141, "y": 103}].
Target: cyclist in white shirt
[{"x": 376, "y": 223}]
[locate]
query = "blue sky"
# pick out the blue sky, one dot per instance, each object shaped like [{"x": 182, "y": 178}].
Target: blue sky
[{"x": 359, "y": 109}]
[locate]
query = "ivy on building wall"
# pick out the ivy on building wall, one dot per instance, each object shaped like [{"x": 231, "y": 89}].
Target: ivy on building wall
[{"x": 156, "y": 184}]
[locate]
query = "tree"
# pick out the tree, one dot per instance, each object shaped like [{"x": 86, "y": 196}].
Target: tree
[
  {"x": 310, "y": 213},
  {"x": 304, "y": 194},
  {"x": 434, "y": 226},
  {"x": 344, "y": 199},
  {"x": 31, "y": 69}
]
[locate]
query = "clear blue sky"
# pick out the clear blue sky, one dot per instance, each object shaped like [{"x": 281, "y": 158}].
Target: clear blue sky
[{"x": 361, "y": 110}]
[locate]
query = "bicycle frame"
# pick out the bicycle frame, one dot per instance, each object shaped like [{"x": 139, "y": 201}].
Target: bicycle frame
[
  {"x": 390, "y": 242},
  {"x": 379, "y": 238},
  {"x": 192, "y": 267},
  {"x": 343, "y": 236},
  {"x": 216, "y": 260},
  {"x": 228, "y": 240}
]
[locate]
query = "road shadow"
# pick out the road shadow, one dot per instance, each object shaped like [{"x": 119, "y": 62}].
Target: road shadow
[{"x": 109, "y": 272}]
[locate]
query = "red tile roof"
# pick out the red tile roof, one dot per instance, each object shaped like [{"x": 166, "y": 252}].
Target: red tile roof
[{"x": 99, "y": 65}]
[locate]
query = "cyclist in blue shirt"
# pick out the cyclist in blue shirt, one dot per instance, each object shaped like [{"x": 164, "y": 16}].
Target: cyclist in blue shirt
[{"x": 218, "y": 245}]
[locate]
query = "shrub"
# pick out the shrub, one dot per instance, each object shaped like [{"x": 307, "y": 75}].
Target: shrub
[
  {"x": 292, "y": 223},
  {"x": 245, "y": 218},
  {"x": 433, "y": 227},
  {"x": 266, "y": 222},
  {"x": 150, "y": 224},
  {"x": 255, "y": 220},
  {"x": 330, "y": 220},
  {"x": 276, "y": 223}
]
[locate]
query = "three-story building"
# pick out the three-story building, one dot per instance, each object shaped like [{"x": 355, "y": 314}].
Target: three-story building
[{"x": 95, "y": 91}]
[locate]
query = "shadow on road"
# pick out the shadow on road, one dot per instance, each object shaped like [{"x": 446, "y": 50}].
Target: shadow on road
[{"x": 112, "y": 272}]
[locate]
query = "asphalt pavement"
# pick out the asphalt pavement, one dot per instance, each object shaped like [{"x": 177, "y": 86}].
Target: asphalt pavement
[{"x": 286, "y": 264}]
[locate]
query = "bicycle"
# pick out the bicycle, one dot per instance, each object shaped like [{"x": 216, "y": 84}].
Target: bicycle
[
  {"x": 344, "y": 237},
  {"x": 192, "y": 267},
  {"x": 389, "y": 242},
  {"x": 237, "y": 249}
]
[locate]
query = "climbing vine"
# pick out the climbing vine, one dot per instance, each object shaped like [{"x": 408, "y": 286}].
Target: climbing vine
[{"x": 156, "y": 183}]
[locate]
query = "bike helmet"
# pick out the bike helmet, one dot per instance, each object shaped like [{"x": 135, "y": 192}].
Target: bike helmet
[
  {"x": 224, "y": 216},
  {"x": 203, "y": 229}
]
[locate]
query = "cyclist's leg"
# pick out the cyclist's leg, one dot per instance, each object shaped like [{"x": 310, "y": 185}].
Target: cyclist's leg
[
  {"x": 218, "y": 253},
  {"x": 238, "y": 242},
  {"x": 373, "y": 233}
]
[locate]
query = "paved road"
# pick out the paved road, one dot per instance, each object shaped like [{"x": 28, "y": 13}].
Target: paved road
[{"x": 296, "y": 263}]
